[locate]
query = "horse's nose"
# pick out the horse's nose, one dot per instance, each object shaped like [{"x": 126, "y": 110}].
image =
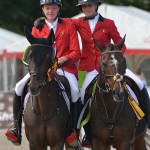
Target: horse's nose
[{"x": 118, "y": 96}]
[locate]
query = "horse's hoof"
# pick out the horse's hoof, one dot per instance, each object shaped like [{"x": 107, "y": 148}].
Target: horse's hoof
[{"x": 16, "y": 143}]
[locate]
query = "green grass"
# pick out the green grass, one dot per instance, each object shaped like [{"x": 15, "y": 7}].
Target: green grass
[{"x": 81, "y": 77}]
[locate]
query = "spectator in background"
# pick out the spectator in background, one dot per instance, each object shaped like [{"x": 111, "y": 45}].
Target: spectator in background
[{"x": 140, "y": 75}]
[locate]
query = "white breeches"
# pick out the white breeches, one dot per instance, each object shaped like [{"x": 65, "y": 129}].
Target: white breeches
[
  {"x": 90, "y": 76},
  {"x": 21, "y": 84},
  {"x": 75, "y": 93},
  {"x": 139, "y": 82}
]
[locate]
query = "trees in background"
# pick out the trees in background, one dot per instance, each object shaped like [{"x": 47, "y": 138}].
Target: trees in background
[{"x": 14, "y": 14}]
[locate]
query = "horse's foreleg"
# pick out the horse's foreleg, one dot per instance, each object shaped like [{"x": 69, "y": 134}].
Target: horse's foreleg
[
  {"x": 125, "y": 145},
  {"x": 139, "y": 142},
  {"x": 59, "y": 146},
  {"x": 98, "y": 145},
  {"x": 37, "y": 147}
]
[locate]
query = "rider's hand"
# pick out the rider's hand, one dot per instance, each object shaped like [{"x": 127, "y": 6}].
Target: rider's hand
[
  {"x": 62, "y": 60},
  {"x": 39, "y": 23}
]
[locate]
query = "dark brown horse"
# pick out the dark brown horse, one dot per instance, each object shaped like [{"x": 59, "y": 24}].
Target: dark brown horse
[
  {"x": 46, "y": 114},
  {"x": 113, "y": 121}
]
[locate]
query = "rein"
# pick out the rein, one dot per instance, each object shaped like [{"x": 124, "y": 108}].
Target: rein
[
  {"x": 101, "y": 91},
  {"x": 108, "y": 122}
]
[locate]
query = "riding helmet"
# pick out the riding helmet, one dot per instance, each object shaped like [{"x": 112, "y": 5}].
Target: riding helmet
[
  {"x": 44, "y": 2},
  {"x": 82, "y": 2}
]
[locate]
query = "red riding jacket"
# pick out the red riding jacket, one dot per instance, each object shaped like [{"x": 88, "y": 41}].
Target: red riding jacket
[
  {"x": 104, "y": 31},
  {"x": 66, "y": 42}
]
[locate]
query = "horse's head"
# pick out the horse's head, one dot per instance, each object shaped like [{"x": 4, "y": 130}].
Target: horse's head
[
  {"x": 112, "y": 68},
  {"x": 39, "y": 57}
]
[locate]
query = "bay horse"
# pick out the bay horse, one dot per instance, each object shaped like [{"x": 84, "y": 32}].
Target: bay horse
[
  {"x": 46, "y": 113},
  {"x": 113, "y": 121}
]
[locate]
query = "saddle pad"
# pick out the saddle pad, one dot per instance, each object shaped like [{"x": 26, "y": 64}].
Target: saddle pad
[
  {"x": 133, "y": 89},
  {"x": 133, "y": 94},
  {"x": 26, "y": 99},
  {"x": 63, "y": 94}
]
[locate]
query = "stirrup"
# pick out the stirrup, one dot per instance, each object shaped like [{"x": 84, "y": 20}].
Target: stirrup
[
  {"x": 72, "y": 139},
  {"x": 12, "y": 137},
  {"x": 86, "y": 143}
]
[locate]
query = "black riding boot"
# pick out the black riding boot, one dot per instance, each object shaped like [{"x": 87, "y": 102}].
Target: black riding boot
[
  {"x": 75, "y": 113},
  {"x": 146, "y": 105},
  {"x": 76, "y": 110},
  {"x": 86, "y": 143},
  {"x": 14, "y": 133}
]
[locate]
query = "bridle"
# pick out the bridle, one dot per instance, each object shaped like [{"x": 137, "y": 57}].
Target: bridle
[
  {"x": 45, "y": 77},
  {"x": 116, "y": 77},
  {"x": 41, "y": 76},
  {"x": 106, "y": 88}
]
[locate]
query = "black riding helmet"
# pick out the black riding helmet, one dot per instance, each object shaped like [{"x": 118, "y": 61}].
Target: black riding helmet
[
  {"x": 83, "y": 2},
  {"x": 44, "y": 2}
]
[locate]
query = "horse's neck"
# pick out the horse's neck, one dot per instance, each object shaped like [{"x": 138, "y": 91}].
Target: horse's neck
[{"x": 47, "y": 101}]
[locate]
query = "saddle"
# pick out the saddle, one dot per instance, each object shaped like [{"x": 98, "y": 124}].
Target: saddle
[
  {"x": 129, "y": 81},
  {"x": 134, "y": 88},
  {"x": 62, "y": 83}
]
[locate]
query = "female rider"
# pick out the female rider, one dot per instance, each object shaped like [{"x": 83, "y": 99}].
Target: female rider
[
  {"x": 94, "y": 26},
  {"x": 67, "y": 52}
]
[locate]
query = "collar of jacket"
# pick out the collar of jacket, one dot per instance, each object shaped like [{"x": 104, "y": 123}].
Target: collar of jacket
[
  {"x": 100, "y": 18},
  {"x": 59, "y": 20}
]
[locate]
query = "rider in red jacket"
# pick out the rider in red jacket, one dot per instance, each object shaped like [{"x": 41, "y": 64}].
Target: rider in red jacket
[
  {"x": 95, "y": 27},
  {"x": 68, "y": 54}
]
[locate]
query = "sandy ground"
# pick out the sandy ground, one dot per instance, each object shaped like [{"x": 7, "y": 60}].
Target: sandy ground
[{"x": 7, "y": 145}]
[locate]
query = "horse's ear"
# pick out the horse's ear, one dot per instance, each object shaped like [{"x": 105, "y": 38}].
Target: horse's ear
[
  {"x": 51, "y": 37},
  {"x": 100, "y": 46},
  {"x": 120, "y": 45},
  {"x": 29, "y": 36}
]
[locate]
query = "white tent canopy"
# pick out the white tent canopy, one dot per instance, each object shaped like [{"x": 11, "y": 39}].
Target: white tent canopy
[
  {"x": 133, "y": 22},
  {"x": 12, "y": 42},
  {"x": 8, "y": 38},
  {"x": 18, "y": 46}
]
